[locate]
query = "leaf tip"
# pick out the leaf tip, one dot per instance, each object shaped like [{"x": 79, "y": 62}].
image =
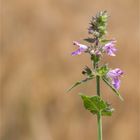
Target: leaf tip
[
  {"x": 81, "y": 94},
  {"x": 121, "y": 98}
]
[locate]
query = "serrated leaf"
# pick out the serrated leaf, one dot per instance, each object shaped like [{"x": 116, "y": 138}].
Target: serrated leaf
[
  {"x": 111, "y": 86},
  {"x": 90, "y": 40},
  {"x": 79, "y": 82},
  {"x": 91, "y": 103},
  {"x": 95, "y": 105}
]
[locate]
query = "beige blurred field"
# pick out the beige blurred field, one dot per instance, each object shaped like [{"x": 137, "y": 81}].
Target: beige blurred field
[{"x": 37, "y": 68}]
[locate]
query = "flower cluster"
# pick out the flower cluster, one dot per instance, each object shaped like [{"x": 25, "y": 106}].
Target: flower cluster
[
  {"x": 99, "y": 46},
  {"x": 98, "y": 24},
  {"x": 109, "y": 48}
]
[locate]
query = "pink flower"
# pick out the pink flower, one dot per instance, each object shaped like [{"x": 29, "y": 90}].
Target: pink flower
[
  {"x": 109, "y": 48},
  {"x": 114, "y": 76},
  {"x": 81, "y": 48}
]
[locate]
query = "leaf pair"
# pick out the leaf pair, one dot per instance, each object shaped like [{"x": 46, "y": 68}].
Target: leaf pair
[
  {"x": 96, "y": 105},
  {"x": 102, "y": 71}
]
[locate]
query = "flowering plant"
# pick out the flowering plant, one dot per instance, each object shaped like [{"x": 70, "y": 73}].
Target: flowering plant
[{"x": 98, "y": 46}]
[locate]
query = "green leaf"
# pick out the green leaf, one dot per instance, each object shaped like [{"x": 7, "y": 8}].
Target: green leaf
[
  {"x": 95, "y": 105},
  {"x": 104, "y": 41},
  {"x": 103, "y": 70},
  {"x": 90, "y": 40},
  {"x": 79, "y": 82},
  {"x": 106, "y": 80}
]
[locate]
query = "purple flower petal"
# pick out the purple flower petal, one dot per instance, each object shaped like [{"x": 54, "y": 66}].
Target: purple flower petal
[
  {"x": 110, "y": 49},
  {"x": 77, "y": 52},
  {"x": 114, "y": 76},
  {"x": 118, "y": 71},
  {"x": 82, "y": 48},
  {"x": 115, "y": 73},
  {"x": 116, "y": 83}
]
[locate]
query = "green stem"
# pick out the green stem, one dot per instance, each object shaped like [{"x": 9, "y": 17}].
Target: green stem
[
  {"x": 99, "y": 116},
  {"x": 98, "y": 85},
  {"x": 99, "y": 119}
]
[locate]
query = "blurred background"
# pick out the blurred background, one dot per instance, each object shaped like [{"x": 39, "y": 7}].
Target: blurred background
[{"x": 37, "y": 68}]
